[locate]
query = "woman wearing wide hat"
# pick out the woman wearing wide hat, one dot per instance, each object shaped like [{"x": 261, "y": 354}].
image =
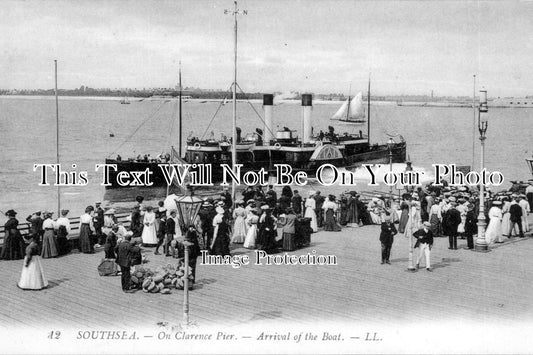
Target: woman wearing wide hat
[
  {"x": 49, "y": 247},
  {"x": 13, "y": 248},
  {"x": 32, "y": 276}
]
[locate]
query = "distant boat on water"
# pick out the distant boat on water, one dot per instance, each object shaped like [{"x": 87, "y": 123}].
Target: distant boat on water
[
  {"x": 125, "y": 101},
  {"x": 352, "y": 111}
]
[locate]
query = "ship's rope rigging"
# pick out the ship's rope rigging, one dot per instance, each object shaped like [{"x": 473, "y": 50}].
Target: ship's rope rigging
[
  {"x": 172, "y": 123},
  {"x": 223, "y": 102},
  {"x": 137, "y": 129}
]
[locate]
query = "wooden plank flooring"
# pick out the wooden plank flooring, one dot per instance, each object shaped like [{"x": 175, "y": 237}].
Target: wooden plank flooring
[{"x": 465, "y": 285}]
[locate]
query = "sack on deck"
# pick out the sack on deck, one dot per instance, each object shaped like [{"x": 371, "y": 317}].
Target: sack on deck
[{"x": 108, "y": 267}]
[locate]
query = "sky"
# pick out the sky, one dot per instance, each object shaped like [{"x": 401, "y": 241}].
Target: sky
[{"x": 320, "y": 46}]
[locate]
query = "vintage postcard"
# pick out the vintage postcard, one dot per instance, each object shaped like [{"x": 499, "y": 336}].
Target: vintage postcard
[{"x": 282, "y": 176}]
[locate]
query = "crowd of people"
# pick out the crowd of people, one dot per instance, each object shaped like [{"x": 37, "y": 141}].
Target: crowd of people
[
  {"x": 442, "y": 211},
  {"x": 262, "y": 220}
]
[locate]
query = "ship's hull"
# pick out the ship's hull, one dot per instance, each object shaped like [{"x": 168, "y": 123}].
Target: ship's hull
[{"x": 307, "y": 159}]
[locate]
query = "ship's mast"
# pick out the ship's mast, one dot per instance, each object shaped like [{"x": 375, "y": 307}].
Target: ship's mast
[
  {"x": 235, "y": 12},
  {"x": 57, "y": 140},
  {"x": 348, "y": 108},
  {"x": 180, "y": 120},
  {"x": 368, "y": 110}
]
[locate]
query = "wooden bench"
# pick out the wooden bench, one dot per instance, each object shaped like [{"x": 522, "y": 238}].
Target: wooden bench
[{"x": 73, "y": 236}]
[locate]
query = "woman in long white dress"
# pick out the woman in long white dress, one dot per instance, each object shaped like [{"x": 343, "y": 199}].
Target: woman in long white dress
[
  {"x": 251, "y": 235},
  {"x": 149, "y": 235},
  {"x": 506, "y": 220},
  {"x": 494, "y": 230},
  {"x": 310, "y": 206},
  {"x": 239, "y": 226},
  {"x": 32, "y": 276}
]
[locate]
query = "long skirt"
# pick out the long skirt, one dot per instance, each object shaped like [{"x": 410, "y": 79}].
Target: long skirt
[
  {"x": 331, "y": 224},
  {"x": 13, "y": 248},
  {"x": 310, "y": 213},
  {"x": 404, "y": 217},
  {"x": 149, "y": 235},
  {"x": 62, "y": 243},
  {"x": 506, "y": 224},
  {"x": 85, "y": 239},
  {"x": 494, "y": 231},
  {"x": 49, "y": 248},
  {"x": 32, "y": 276},
  {"x": 239, "y": 230},
  {"x": 266, "y": 239},
  {"x": 435, "y": 225},
  {"x": 251, "y": 235}
]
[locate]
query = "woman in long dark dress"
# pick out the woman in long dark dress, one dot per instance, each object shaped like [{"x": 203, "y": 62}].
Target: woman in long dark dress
[
  {"x": 86, "y": 246},
  {"x": 13, "y": 248},
  {"x": 221, "y": 239},
  {"x": 266, "y": 237},
  {"x": 111, "y": 243},
  {"x": 49, "y": 247},
  {"x": 63, "y": 229},
  {"x": 32, "y": 276},
  {"x": 330, "y": 209}
]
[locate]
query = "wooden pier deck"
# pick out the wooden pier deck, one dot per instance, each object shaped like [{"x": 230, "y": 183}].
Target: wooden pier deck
[{"x": 465, "y": 286}]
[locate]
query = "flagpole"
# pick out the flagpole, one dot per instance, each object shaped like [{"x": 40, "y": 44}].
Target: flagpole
[
  {"x": 234, "y": 121},
  {"x": 474, "y": 122},
  {"x": 57, "y": 140}
]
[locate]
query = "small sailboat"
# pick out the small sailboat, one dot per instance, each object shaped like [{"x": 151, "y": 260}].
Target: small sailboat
[
  {"x": 125, "y": 101},
  {"x": 352, "y": 110}
]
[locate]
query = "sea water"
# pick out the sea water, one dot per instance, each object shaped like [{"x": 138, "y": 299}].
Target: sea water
[{"x": 441, "y": 135}]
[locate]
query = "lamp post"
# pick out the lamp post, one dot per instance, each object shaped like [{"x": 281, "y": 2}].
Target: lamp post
[
  {"x": 188, "y": 207},
  {"x": 411, "y": 221},
  {"x": 481, "y": 243},
  {"x": 390, "y": 145}
]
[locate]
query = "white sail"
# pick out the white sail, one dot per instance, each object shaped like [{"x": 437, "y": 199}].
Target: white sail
[
  {"x": 351, "y": 110},
  {"x": 357, "y": 109},
  {"x": 341, "y": 113}
]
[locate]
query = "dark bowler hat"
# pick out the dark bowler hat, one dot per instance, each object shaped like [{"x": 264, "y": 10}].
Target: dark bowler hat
[{"x": 11, "y": 213}]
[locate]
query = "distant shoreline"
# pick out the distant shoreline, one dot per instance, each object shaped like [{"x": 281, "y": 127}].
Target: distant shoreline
[{"x": 442, "y": 104}]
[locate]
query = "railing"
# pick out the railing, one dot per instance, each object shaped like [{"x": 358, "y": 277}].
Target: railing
[{"x": 24, "y": 228}]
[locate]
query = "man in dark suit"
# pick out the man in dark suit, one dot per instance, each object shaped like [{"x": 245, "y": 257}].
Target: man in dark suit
[
  {"x": 170, "y": 230},
  {"x": 123, "y": 251},
  {"x": 453, "y": 221},
  {"x": 136, "y": 225},
  {"x": 515, "y": 211},
  {"x": 98, "y": 222},
  {"x": 424, "y": 243},
  {"x": 319, "y": 202},
  {"x": 470, "y": 226},
  {"x": 386, "y": 237}
]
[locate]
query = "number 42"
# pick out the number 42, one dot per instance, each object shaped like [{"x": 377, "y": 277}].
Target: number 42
[{"x": 54, "y": 334}]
